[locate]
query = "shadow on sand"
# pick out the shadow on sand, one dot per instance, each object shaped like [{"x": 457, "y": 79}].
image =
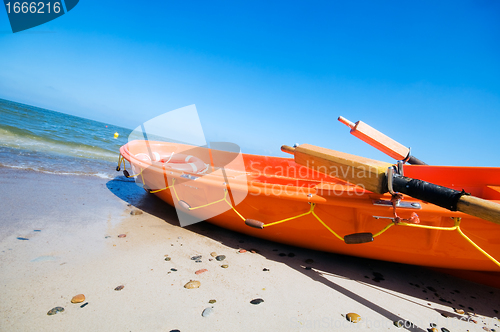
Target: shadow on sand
[{"x": 392, "y": 279}]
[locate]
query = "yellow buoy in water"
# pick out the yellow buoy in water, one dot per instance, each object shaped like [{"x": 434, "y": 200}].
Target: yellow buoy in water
[{"x": 116, "y": 135}]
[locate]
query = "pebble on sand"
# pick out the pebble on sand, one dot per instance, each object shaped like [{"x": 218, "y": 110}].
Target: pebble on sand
[
  {"x": 212, "y": 301},
  {"x": 55, "y": 310},
  {"x": 78, "y": 298},
  {"x": 201, "y": 271},
  {"x": 168, "y": 259},
  {"x": 459, "y": 311},
  {"x": 207, "y": 312},
  {"x": 225, "y": 266},
  {"x": 22, "y": 238},
  {"x": 213, "y": 254},
  {"x": 122, "y": 235},
  {"x": 241, "y": 251},
  {"x": 119, "y": 288},
  {"x": 192, "y": 284},
  {"x": 195, "y": 258},
  {"x": 433, "y": 329},
  {"x": 256, "y": 301},
  {"x": 353, "y": 317},
  {"x": 136, "y": 212},
  {"x": 220, "y": 257}
]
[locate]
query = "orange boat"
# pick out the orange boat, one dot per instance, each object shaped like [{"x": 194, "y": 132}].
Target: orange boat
[{"x": 288, "y": 203}]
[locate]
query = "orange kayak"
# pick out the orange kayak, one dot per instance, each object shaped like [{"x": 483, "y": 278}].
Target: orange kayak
[{"x": 291, "y": 204}]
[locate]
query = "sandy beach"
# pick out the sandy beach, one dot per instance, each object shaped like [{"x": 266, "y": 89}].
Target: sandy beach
[{"x": 59, "y": 238}]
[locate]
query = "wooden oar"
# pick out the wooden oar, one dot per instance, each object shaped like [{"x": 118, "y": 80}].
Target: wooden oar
[{"x": 372, "y": 175}]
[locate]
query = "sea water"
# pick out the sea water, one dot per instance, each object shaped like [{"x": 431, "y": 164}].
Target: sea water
[{"x": 42, "y": 140}]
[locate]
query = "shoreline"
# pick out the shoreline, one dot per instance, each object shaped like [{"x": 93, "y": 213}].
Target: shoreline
[{"x": 72, "y": 224}]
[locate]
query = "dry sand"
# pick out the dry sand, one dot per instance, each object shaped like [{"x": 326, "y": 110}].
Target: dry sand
[{"x": 71, "y": 226}]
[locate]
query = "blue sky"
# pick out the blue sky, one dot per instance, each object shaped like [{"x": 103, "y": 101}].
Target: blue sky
[{"x": 263, "y": 74}]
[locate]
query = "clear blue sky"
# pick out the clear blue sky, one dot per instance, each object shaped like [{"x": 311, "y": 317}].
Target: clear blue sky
[{"x": 265, "y": 73}]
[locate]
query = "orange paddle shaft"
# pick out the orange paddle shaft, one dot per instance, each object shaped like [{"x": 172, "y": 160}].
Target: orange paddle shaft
[{"x": 380, "y": 141}]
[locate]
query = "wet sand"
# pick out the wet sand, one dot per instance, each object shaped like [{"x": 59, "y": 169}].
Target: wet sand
[{"x": 59, "y": 238}]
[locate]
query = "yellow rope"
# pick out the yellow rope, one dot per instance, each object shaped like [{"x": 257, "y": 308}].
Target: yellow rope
[
  {"x": 383, "y": 230},
  {"x": 300, "y": 215}
]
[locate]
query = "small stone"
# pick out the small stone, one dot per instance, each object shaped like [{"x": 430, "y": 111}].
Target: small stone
[
  {"x": 444, "y": 329},
  {"x": 122, "y": 235},
  {"x": 195, "y": 258},
  {"x": 198, "y": 261},
  {"x": 265, "y": 269},
  {"x": 398, "y": 323},
  {"x": 55, "y": 310},
  {"x": 201, "y": 271},
  {"x": 84, "y": 305},
  {"x": 172, "y": 269},
  {"x": 192, "y": 284},
  {"x": 256, "y": 301},
  {"x": 119, "y": 288},
  {"x": 433, "y": 329},
  {"x": 459, "y": 311},
  {"x": 254, "y": 251},
  {"x": 207, "y": 312},
  {"x": 309, "y": 261},
  {"x": 241, "y": 251},
  {"x": 24, "y": 239},
  {"x": 308, "y": 267},
  {"x": 213, "y": 254},
  {"x": 353, "y": 317},
  {"x": 225, "y": 266},
  {"x": 107, "y": 236},
  {"x": 168, "y": 259},
  {"x": 78, "y": 298},
  {"x": 212, "y": 301},
  {"x": 220, "y": 257},
  {"x": 136, "y": 212}
]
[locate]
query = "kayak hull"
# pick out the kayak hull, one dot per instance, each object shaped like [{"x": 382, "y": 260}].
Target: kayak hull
[{"x": 308, "y": 209}]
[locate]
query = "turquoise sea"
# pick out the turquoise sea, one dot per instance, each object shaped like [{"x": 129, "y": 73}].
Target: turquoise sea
[{"x": 42, "y": 140}]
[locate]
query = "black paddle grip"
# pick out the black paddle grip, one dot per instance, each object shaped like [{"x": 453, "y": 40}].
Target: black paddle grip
[{"x": 441, "y": 196}]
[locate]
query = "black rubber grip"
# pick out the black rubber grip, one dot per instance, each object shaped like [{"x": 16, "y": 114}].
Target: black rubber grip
[
  {"x": 441, "y": 196},
  {"x": 358, "y": 238}
]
